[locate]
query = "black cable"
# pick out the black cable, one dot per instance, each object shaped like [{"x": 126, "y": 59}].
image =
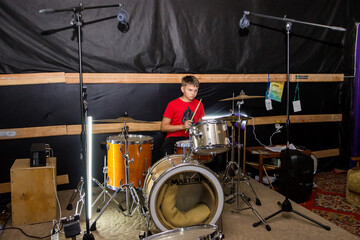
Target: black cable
[{"x": 30, "y": 236}]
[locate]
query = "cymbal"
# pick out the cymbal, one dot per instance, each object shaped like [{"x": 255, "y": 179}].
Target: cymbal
[
  {"x": 122, "y": 120},
  {"x": 241, "y": 97},
  {"x": 232, "y": 118}
]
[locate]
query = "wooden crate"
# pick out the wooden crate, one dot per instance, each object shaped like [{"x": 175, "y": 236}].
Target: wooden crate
[{"x": 33, "y": 195}]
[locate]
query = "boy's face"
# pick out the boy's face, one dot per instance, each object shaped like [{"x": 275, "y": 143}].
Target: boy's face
[{"x": 189, "y": 92}]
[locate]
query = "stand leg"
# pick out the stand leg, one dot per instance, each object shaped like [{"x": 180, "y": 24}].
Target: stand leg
[
  {"x": 287, "y": 207},
  {"x": 76, "y": 191}
]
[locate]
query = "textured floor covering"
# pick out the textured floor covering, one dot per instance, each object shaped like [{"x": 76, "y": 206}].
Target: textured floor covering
[{"x": 113, "y": 225}]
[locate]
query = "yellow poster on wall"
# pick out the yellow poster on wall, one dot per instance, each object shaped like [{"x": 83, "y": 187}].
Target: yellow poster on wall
[{"x": 276, "y": 90}]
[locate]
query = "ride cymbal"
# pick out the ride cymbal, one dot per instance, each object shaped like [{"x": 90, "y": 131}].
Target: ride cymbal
[
  {"x": 241, "y": 97},
  {"x": 122, "y": 120},
  {"x": 232, "y": 118}
]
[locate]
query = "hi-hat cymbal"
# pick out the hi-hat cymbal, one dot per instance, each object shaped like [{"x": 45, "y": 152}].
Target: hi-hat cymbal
[
  {"x": 122, "y": 120},
  {"x": 241, "y": 97},
  {"x": 232, "y": 118}
]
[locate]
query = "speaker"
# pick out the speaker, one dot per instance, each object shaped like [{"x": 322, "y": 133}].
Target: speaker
[
  {"x": 38, "y": 154},
  {"x": 296, "y": 175}
]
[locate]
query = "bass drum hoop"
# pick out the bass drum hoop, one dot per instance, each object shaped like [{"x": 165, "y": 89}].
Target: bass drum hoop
[
  {"x": 184, "y": 167},
  {"x": 186, "y": 231}
]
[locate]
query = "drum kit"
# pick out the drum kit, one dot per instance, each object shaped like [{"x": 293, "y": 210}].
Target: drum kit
[{"x": 179, "y": 192}]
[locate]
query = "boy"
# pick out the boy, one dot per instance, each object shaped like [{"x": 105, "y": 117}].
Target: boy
[{"x": 178, "y": 114}]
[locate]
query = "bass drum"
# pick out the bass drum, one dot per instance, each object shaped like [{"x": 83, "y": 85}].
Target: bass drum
[{"x": 181, "y": 194}]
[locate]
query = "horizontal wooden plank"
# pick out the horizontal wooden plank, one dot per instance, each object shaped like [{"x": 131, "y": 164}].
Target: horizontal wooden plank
[
  {"x": 31, "y": 78},
  {"x": 327, "y": 153},
  {"x": 91, "y": 78},
  {"x": 60, "y": 179},
  {"x": 116, "y": 127},
  {"x": 297, "y": 119},
  {"x": 34, "y": 132}
]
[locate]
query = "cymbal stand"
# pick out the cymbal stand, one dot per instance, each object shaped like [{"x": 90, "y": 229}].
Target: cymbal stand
[
  {"x": 130, "y": 190},
  {"x": 230, "y": 171},
  {"x": 242, "y": 173},
  {"x": 104, "y": 192}
]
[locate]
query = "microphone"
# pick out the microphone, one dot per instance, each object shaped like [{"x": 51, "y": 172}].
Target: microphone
[
  {"x": 244, "y": 22},
  {"x": 123, "y": 18},
  {"x": 46, "y": 11}
]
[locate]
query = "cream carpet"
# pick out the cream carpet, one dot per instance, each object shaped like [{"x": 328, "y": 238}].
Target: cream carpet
[{"x": 114, "y": 225}]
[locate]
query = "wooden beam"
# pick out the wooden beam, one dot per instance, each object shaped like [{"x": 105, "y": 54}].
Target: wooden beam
[
  {"x": 31, "y": 78},
  {"x": 32, "y": 132},
  {"x": 60, "y": 179},
  {"x": 297, "y": 119},
  {"x": 161, "y": 78},
  {"x": 73, "y": 78},
  {"x": 63, "y": 130},
  {"x": 116, "y": 127}
]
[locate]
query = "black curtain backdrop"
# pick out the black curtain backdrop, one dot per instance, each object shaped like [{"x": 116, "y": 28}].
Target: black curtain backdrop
[{"x": 172, "y": 37}]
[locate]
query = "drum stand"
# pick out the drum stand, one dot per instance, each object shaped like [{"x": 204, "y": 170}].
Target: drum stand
[
  {"x": 104, "y": 192},
  {"x": 230, "y": 173},
  {"x": 129, "y": 188}
]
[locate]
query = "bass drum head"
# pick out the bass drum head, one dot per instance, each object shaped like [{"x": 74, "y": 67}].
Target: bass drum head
[
  {"x": 184, "y": 194},
  {"x": 188, "y": 233}
]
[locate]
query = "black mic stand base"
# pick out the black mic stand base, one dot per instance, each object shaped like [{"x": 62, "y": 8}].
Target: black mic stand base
[
  {"x": 287, "y": 207},
  {"x": 88, "y": 236}
]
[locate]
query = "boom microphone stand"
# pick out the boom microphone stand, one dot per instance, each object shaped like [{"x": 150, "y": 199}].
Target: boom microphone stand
[
  {"x": 244, "y": 22},
  {"x": 78, "y": 23}
]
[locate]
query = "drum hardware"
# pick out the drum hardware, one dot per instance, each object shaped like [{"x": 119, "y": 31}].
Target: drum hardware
[
  {"x": 104, "y": 191},
  {"x": 232, "y": 167},
  {"x": 130, "y": 191}
]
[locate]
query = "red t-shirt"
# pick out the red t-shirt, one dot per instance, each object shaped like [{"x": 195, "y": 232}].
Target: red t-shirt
[{"x": 179, "y": 111}]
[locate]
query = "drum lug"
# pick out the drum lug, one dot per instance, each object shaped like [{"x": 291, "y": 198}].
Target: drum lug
[
  {"x": 169, "y": 159},
  {"x": 107, "y": 147},
  {"x": 153, "y": 177},
  {"x": 140, "y": 148}
]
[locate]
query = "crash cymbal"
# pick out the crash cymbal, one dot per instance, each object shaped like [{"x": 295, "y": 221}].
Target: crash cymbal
[
  {"x": 241, "y": 97},
  {"x": 122, "y": 120},
  {"x": 232, "y": 118}
]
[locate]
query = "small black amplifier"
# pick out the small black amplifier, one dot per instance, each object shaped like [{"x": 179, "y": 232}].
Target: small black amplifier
[{"x": 38, "y": 154}]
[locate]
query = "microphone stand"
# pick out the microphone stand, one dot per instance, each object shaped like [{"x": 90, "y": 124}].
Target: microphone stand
[
  {"x": 286, "y": 205},
  {"x": 77, "y": 21}
]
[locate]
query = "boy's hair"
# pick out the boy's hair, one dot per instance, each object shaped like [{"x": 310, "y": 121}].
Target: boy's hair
[{"x": 189, "y": 79}]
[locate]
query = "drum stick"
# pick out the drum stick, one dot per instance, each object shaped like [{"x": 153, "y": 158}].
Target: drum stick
[{"x": 194, "y": 113}]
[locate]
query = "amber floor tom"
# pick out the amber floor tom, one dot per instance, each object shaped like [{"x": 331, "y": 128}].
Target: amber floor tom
[
  {"x": 180, "y": 146},
  {"x": 182, "y": 194},
  {"x": 140, "y": 156}
]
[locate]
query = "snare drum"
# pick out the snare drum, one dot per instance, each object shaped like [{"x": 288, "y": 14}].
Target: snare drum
[
  {"x": 186, "y": 144},
  {"x": 182, "y": 194},
  {"x": 210, "y": 137},
  {"x": 140, "y": 156},
  {"x": 202, "y": 232}
]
